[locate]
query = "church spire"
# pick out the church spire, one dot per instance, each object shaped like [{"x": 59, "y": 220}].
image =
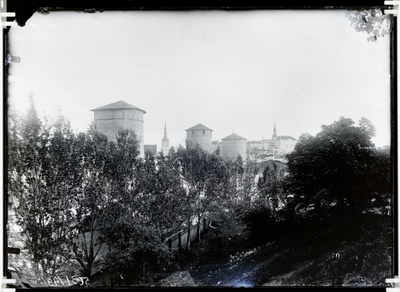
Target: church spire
[
  {"x": 165, "y": 141},
  {"x": 274, "y": 135},
  {"x": 165, "y": 130}
]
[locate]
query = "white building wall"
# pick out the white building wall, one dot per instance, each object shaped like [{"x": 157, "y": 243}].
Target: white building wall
[
  {"x": 110, "y": 121},
  {"x": 230, "y": 149},
  {"x": 201, "y": 137}
]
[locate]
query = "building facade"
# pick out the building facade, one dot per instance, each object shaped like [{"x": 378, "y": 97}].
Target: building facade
[
  {"x": 200, "y": 135},
  {"x": 271, "y": 149},
  {"x": 150, "y": 149},
  {"x": 216, "y": 147},
  {"x": 285, "y": 144},
  {"x": 109, "y": 119},
  {"x": 233, "y": 146}
]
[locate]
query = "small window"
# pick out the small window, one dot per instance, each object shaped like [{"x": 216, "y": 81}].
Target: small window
[
  {"x": 204, "y": 132},
  {"x": 192, "y": 132}
]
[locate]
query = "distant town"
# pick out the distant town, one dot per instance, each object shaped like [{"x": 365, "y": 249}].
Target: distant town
[{"x": 109, "y": 118}]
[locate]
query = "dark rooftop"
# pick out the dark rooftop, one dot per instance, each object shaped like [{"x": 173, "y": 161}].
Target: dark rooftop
[
  {"x": 233, "y": 137},
  {"x": 199, "y": 127},
  {"x": 117, "y": 106}
]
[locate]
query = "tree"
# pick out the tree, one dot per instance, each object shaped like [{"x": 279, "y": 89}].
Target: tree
[
  {"x": 373, "y": 22},
  {"x": 165, "y": 207},
  {"x": 205, "y": 178},
  {"x": 92, "y": 202},
  {"x": 337, "y": 166},
  {"x": 270, "y": 185},
  {"x": 140, "y": 195},
  {"x": 135, "y": 247},
  {"x": 41, "y": 180}
]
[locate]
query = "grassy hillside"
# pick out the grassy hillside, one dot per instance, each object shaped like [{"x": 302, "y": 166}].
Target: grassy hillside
[{"x": 330, "y": 252}]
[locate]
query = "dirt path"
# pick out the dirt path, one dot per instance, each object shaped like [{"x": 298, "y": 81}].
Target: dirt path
[
  {"x": 326, "y": 258},
  {"x": 239, "y": 271}
]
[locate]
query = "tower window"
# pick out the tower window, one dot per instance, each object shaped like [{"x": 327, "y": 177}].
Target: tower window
[
  {"x": 204, "y": 132},
  {"x": 192, "y": 132}
]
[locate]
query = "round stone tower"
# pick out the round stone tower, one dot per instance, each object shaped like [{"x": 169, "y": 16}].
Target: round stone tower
[
  {"x": 232, "y": 146},
  {"x": 200, "y": 135},
  {"x": 110, "y": 118}
]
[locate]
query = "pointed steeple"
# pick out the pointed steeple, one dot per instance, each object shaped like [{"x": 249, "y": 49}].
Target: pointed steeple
[
  {"x": 165, "y": 131},
  {"x": 165, "y": 141},
  {"x": 274, "y": 135}
]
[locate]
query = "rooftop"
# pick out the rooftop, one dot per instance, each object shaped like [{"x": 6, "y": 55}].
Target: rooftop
[
  {"x": 199, "y": 127},
  {"x": 117, "y": 106},
  {"x": 233, "y": 137}
]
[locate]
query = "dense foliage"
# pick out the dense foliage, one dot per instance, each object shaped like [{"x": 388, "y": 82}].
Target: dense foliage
[
  {"x": 340, "y": 165},
  {"x": 374, "y": 22},
  {"x": 86, "y": 205}
]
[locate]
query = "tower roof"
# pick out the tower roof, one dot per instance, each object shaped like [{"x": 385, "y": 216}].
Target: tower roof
[
  {"x": 165, "y": 138},
  {"x": 274, "y": 134},
  {"x": 117, "y": 106},
  {"x": 199, "y": 127},
  {"x": 233, "y": 137},
  {"x": 165, "y": 130}
]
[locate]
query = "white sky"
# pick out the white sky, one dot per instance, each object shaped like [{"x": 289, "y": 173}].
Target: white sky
[{"x": 229, "y": 70}]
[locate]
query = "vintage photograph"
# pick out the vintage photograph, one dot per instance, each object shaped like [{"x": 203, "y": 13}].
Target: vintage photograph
[{"x": 200, "y": 148}]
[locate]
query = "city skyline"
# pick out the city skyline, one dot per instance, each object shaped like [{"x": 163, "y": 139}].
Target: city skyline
[{"x": 232, "y": 71}]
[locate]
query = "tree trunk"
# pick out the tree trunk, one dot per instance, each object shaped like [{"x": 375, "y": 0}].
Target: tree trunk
[
  {"x": 112, "y": 279},
  {"x": 143, "y": 268},
  {"x": 188, "y": 235},
  {"x": 170, "y": 244},
  {"x": 88, "y": 270},
  {"x": 179, "y": 241},
  {"x": 198, "y": 230}
]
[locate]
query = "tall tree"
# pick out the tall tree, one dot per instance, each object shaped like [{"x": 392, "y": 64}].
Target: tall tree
[
  {"x": 165, "y": 191},
  {"x": 243, "y": 181},
  {"x": 338, "y": 165},
  {"x": 270, "y": 186},
  {"x": 205, "y": 178},
  {"x": 40, "y": 183},
  {"x": 133, "y": 230},
  {"x": 92, "y": 200}
]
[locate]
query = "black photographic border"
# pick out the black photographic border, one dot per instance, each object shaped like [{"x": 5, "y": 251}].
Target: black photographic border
[{"x": 25, "y": 9}]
